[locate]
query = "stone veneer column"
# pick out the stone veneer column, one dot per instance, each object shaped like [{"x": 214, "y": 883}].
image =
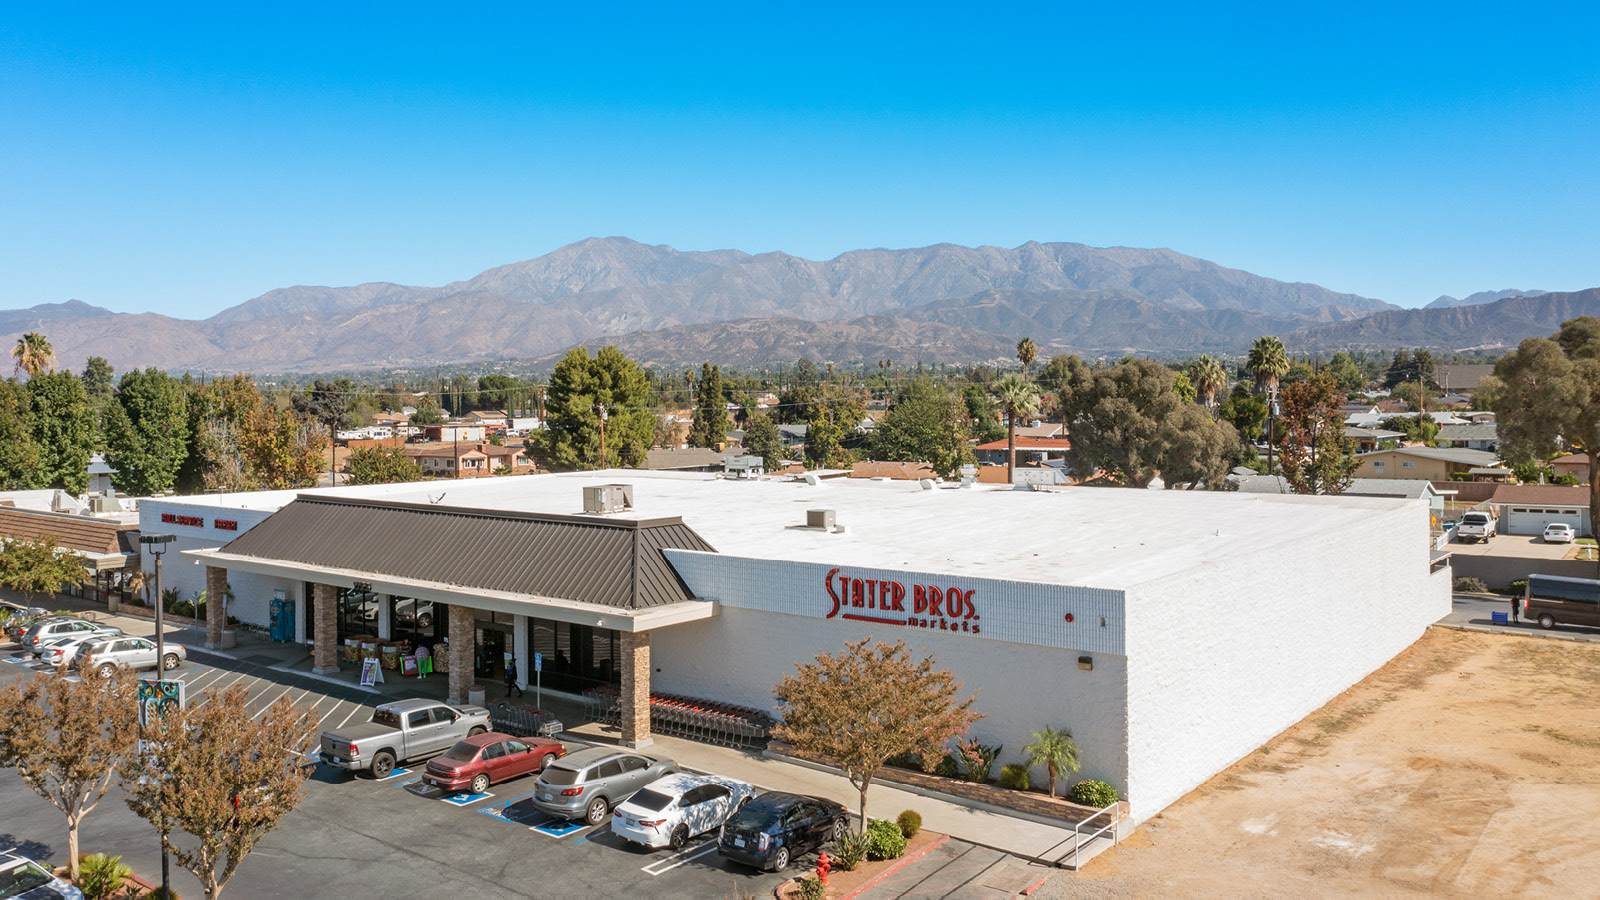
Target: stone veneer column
[
  {"x": 216, "y": 615},
  {"x": 462, "y": 638},
  {"x": 325, "y": 625},
  {"x": 636, "y": 689}
]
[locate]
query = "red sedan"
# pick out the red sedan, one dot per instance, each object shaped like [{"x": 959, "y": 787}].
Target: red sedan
[{"x": 481, "y": 760}]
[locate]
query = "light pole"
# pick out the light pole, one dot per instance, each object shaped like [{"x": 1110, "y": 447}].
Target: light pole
[
  {"x": 157, "y": 545},
  {"x": 602, "y": 408},
  {"x": 1272, "y": 414}
]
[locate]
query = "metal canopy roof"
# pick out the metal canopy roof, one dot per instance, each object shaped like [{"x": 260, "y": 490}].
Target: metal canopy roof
[{"x": 588, "y": 559}]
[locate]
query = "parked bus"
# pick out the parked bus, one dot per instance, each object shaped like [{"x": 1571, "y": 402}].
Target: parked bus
[{"x": 1554, "y": 600}]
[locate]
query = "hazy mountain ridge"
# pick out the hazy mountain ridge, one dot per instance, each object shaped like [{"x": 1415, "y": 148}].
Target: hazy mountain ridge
[
  {"x": 1501, "y": 323},
  {"x": 1445, "y": 301}
]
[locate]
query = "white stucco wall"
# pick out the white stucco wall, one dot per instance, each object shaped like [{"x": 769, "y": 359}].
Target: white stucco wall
[
  {"x": 1023, "y": 664},
  {"x": 252, "y": 593},
  {"x": 1225, "y": 656}
]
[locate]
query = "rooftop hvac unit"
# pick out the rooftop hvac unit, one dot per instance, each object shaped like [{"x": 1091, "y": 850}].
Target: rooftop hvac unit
[
  {"x": 824, "y": 519},
  {"x": 600, "y": 499},
  {"x": 969, "y": 475},
  {"x": 744, "y": 466}
]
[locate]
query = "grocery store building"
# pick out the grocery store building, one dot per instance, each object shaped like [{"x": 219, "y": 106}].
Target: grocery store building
[{"x": 1172, "y": 632}]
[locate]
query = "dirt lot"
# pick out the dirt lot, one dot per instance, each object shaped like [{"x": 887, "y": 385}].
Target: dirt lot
[{"x": 1467, "y": 767}]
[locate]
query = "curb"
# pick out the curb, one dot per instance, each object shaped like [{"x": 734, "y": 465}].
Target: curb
[
  {"x": 900, "y": 864},
  {"x": 1028, "y": 891}
]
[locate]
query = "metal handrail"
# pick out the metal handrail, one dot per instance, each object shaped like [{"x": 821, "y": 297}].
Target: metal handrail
[{"x": 1077, "y": 829}]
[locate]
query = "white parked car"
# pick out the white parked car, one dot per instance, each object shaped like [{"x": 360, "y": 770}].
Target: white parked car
[
  {"x": 672, "y": 810},
  {"x": 60, "y": 651},
  {"x": 1559, "y": 533},
  {"x": 124, "y": 652},
  {"x": 24, "y": 879}
]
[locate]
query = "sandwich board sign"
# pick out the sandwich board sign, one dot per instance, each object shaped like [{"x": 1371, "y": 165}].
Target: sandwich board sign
[{"x": 371, "y": 674}]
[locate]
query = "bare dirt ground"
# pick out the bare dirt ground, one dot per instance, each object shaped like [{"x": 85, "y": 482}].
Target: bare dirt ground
[{"x": 1467, "y": 767}]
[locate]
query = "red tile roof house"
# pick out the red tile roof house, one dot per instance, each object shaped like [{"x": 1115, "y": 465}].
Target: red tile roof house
[
  {"x": 469, "y": 460},
  {"x": 1027, "y": 446},
  {"x": 1575, "y": 464}
]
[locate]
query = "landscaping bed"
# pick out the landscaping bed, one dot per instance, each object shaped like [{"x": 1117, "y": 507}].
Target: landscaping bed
[{"x": 868, "y": 872}]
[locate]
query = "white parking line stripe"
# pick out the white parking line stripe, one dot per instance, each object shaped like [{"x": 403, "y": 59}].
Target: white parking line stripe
[
  {"x": 268, "y": 705},
  {"x": 358, "y": 708},
  {"x": 658, "y": 868},
  {"x": 193, "y": 684}
]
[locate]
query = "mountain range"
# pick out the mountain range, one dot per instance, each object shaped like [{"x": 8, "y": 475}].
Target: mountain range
[{"x": 940, "y": 304}]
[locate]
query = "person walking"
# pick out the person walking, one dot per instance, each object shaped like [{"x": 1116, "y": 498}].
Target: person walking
[{"x": 511, "y": 677}]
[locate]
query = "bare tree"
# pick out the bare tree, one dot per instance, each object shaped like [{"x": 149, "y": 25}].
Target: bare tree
[
  {"x": 66, "y": 738},
  {"x": 221, "y": 777},
  {"x": 861, "y": 706}
]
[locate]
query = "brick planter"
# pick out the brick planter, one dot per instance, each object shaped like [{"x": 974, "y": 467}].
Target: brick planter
[{"x": 1030, "y": 802}]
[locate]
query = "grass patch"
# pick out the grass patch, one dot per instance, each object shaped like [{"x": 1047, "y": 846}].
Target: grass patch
[{"x": 1566, "y": 738}]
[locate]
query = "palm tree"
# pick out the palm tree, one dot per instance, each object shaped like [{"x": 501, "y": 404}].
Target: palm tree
[
  {"x": 1055, "y": 750},
  {"x": 1268, "y": 362},
  {"x": 33, "y": 354},
  {"x": 1017, "y": 397},
  {"x": 1208, "y": 378},
  {"x": 1027, "y": 352}
]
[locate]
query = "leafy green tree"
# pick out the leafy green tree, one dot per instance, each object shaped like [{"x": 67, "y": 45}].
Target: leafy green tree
[
  {"x": 1128, "y": 420},
  {"x": 147, "y": 432},
  {"x": 1018, "y": 399},
  {"x": 501, "y": 392},
  {"x": 863, "y": 705},
  {"x": 982, "y": 418},
  {"x": 710, "y": 423},
  {"x": 97, "y": 381},
  {"x": 63, "y": 429},
  {"x": 799, "y": 393},
  {"x": 1345, "y": 373},
  {"x": 427, "y": 413},
  {"x": 1548, "y": 392},
  {"x": 924, "y": 423},
  {"x": 383, "y": 465},
  {"x": 1184, "y": 387},
  {"x": 761, "y": 439},
  {"x": 1408, "y": 368},
  {"x": 38, "y": 567},
  {"x": 1316, "y": 458},
  {"x": 33, "y": 354},
  {"x": 1027, "y": 352},
  {"x": 580, "y": 387},
  {"x": 1267, "y": 363},
  {"x": 19, "y": 452},
  {"x": 460, "y": 396},
  {"x": 1055, "y": 750},
  {"x": 327, "y": 402}
]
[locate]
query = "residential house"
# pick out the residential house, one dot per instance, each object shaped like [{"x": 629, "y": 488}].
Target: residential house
[
  {"x": 1474, "y": 437},
  {"x": 1574, "y": 464},
  {"x": 1370, "y": 438},
  {"x": 1431, "y": 464},
  {"x": 1528, "y": 508},
  {"x": 895, "y": 471},
  {"x": 1029, "y": 449},
  {"x": 1461, "y": 378},
  {"x": 490, "y": 419},
  {"x": 390, "y": 419},
  {"x": 792, "y": 436},
  {"x": 452, "y": 432},
  {"x": 474, "y": 460}
]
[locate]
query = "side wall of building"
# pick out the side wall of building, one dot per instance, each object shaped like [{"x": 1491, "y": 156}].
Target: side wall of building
[
  {"x": 1225, "y": 656},
  {"x": 1026, "y": 676},
  {"x": 252, "y": 594}
]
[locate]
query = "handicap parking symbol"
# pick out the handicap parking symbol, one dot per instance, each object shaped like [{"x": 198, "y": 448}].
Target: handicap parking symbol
[
  {"x": 558, "y": 828},
  {"x": 466, "y": 799},
  {"x": 515, "y": 810}
]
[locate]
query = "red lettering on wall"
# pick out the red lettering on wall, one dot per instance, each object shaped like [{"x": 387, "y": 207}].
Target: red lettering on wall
[
  {"x": 935, "y": 597},
  {"x": 919, "y": 599},
  {"x": 828, "y": 582},
  {"x": 872, "y": 593},
  {"x": 225, "y": 524},
  {"x": 175, "y": 519},
  {"x": 898, "y": 601},
  {"x": 943, "y": 609}
]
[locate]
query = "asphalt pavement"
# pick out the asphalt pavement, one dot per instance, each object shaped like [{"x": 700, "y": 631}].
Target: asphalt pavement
[{"x": 1473, "y": 612}]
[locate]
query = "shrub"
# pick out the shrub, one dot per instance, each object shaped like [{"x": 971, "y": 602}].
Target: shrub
[
  {"x": 101, "y": 875},
  {"x": 905, "y": 761},
  {"x": 812, "y": 888},
  {"x": 848, "y": 851},
  {"x": 1517, "y": 588},
  {"x": 978, "y": 758},
  {"x": 1471, "y": 585},
  {"x": 910, "y": 822},
  {"x": 947, "y": 767},
  {"x": 1014, "y": 776},
  {"x": 1093, "y": 793},
  {"x": 884, "y": 840}
]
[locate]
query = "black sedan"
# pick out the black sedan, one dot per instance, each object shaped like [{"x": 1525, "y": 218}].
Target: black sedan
[{"x": 776, "y": 828}]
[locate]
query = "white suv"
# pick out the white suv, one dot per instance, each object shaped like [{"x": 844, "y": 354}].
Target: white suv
[{"x": 123, "y": 652}]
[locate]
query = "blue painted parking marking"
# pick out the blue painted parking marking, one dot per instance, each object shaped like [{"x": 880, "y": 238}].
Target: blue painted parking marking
[
  {"x": 407, "y": 783},
  {"x": 15, "y": 660},
  {"x": 465, "y": 799},
  {"x": 558, "y": 828},
  {"x": 397, "y": 773},
  {"x": 514, "y": 810}
]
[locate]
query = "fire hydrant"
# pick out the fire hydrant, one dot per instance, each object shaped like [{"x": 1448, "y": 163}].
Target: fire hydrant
[{"x": 822, "y": 868}]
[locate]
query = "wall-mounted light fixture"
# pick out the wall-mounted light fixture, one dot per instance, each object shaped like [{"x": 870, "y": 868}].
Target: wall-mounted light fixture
[{"x": 1086, "y": 663}]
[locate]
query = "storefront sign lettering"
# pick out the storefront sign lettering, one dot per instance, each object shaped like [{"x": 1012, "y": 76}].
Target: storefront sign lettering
[
  {"x": 225, "y": 524},
  {"x": 884, "y": 601},
  {"x": 175, "y": 519}
]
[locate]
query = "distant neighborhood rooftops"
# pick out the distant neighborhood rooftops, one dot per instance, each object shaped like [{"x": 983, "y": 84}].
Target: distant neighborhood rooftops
[
  {"x": 1463, "y": 378},
  {"x": 1025, "y": 442},
  {"x": 1542, "y": 494},
  {"x": 1405, "y": 488},
  {"x": 1460, "y": 455},
  {"x": 1486, "y": 432}
]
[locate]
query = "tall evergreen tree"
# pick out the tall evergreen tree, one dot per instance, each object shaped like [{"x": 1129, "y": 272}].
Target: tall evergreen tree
[
  {"x": 761, "y": 439},
  {"x": 19, "y": 452},
  {"x": 580, "y": 387},
  {"x": 146, "y": 435},
  {"x": 710, "y": 425},
  {"x": 63, "y": 429}
]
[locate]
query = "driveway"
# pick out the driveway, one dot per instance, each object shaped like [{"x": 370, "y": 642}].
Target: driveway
[
  {"x": 1473, "y": 612},
  {"x": 1517, "y": 545}
]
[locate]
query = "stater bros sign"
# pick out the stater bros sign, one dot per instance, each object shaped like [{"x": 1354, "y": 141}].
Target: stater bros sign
[{"x": 935, "y": 607}]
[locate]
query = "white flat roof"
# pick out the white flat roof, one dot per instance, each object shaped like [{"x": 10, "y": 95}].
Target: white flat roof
[{"x": 1087, "y": 536}]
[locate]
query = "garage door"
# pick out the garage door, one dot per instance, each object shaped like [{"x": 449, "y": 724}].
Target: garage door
[{"x": 1533, "y": 519}]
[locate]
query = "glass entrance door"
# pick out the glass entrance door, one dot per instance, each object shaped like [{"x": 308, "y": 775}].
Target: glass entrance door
[{"x": 488, "y": 659}]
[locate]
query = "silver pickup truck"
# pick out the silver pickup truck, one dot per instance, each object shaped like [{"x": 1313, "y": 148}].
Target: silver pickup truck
[{"x": 401, "y": 731}]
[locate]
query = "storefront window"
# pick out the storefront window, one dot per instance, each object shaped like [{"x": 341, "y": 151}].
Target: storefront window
[
  {"x": 576, "y": 657},
  {"x": 358, "y": 614},
  {"x": 417, "y": 621}
]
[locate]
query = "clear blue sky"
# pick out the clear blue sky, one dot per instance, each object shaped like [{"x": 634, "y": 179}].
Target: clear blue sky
[{"x": 184, "y": 161}]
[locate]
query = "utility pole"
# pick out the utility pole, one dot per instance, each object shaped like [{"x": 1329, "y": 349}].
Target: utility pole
[
  {"x": 1272, "y": 414},
  {"x": 602, "y": 408}
]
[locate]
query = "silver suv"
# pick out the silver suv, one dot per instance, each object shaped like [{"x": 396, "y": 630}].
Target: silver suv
[
  {"x": 585, "y": 785},
  {"x": 123, "y": 652},
  {"x": 35, "y": 638}
]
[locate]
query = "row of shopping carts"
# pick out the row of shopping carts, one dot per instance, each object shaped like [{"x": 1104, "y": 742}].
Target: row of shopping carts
[
  {"x": 524, "y": 721},
  {"x": 694, "y": 718}
]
